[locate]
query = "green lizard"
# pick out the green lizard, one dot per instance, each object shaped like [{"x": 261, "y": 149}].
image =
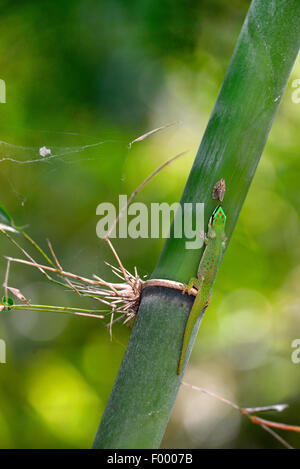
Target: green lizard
[{"x": 207, "y": 272}]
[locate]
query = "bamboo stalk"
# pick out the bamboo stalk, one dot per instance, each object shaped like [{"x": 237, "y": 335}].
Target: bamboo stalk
[{"x": 146, "y": 386}]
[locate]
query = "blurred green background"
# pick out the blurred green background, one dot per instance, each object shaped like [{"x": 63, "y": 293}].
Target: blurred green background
[{"x": 84, "y": 78}]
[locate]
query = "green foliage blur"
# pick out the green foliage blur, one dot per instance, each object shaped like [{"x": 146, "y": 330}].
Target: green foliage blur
[{"x": 85, "y": 78}]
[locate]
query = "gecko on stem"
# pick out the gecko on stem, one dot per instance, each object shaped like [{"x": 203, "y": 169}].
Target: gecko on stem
[{"x": 207, "y": 271}]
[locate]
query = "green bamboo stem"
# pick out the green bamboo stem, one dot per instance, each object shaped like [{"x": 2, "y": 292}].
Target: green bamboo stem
[{"x": 146, "y": 386}]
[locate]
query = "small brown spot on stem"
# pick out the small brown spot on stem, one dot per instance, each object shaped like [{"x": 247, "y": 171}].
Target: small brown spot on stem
[{"x": 219, "y": 190}]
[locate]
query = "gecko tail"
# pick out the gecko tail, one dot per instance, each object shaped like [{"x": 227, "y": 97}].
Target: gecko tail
[
  {"x": 191, "y": 321},
  {"x": 186, "y": 339},
  {"x": 180, "y": 363}
]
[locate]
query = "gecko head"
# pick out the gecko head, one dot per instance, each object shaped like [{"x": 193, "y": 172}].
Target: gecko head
[{"x": 218, "y": 218}]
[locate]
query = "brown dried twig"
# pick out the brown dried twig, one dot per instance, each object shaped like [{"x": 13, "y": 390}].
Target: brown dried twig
[{"x": 265, "y": 424}]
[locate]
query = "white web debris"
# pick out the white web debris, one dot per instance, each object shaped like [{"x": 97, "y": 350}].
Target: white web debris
[
  {"x": 10, "y": 152},
  {"x": 44, "y": 151}
]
